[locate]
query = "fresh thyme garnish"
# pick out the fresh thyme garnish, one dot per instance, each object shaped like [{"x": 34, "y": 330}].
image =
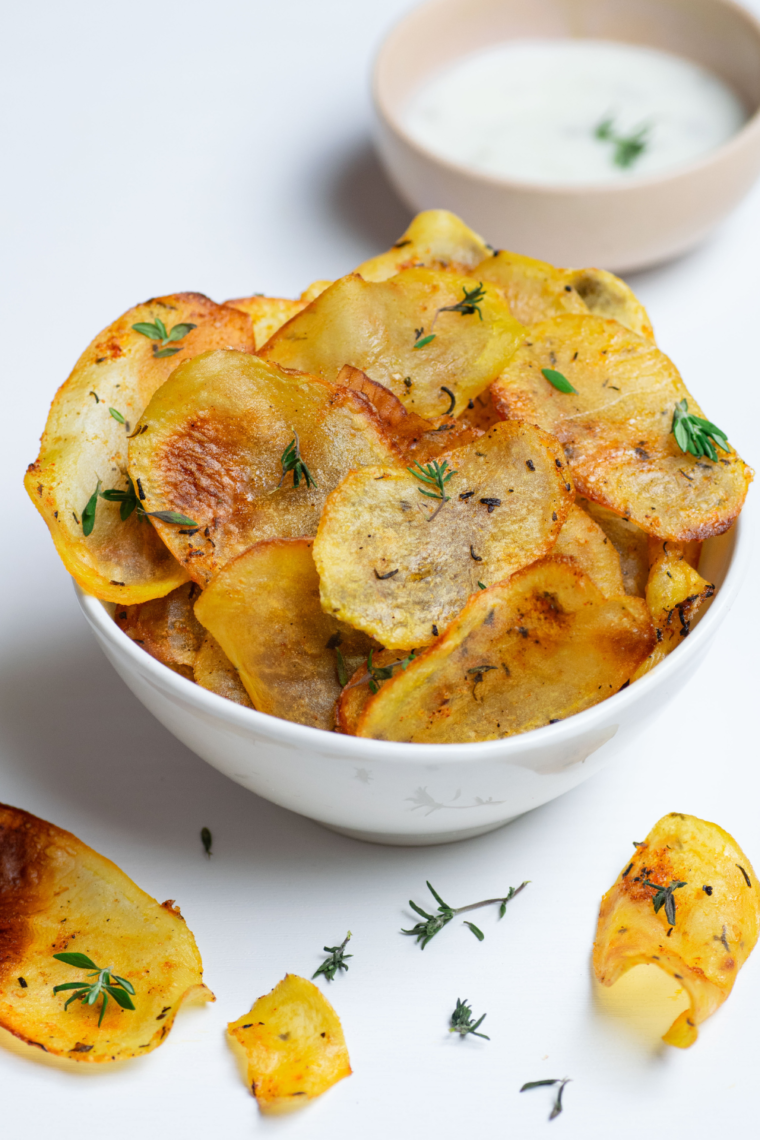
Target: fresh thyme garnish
[
  {"x": 88, "y": 514},
  {"x": 435, "y": 475},
  {"x": 557, "y": 1107},
  {"x": 664, "y": 897},
  {"x": 336, "y": 961},
  {"x": 342, "y": 671},
  {"x": 627, "y": 147},
  {"x": 379, "y": 673},
  {"x": 107, "y": 985},
  {"x": 117, "y": 415},
  {"x": 469, "y": 305},
  {"x": 419, "y": 340},
  {"x": 157, "y": 331},
  {"x": 206, "y": 840},
  {"x": 461, "y": 1021},
  {"x": 695, "y": 435},
  {"x": 424, "y": 931},
  {"x": 482, "y": 586},
  {"x": 557, "y": 380},
  {"x": 291, "y": 461},
  {"x": 129, "y": 502}
]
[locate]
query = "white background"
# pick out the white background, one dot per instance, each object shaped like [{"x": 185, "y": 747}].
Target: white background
[{"x": 153, "y": 147}]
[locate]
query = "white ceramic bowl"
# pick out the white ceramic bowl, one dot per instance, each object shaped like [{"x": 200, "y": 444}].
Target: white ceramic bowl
[
  {"x": 414, "y": 793},
  {"x": 620, "y": 225}
]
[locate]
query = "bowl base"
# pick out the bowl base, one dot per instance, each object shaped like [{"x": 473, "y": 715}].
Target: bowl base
[{"x": 421, "y": 839}]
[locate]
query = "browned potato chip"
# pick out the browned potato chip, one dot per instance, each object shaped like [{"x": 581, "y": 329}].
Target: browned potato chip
[
  {"x": 631, "y": 543},
  {"x": 294, "y": 1044},
  {"x": 357, "y": 692},
  {"x": 585, "y": 542},
  {"x": 264, "y": 611},
  {"x": 675, "y": 591},
  {"x": 166, "y": 628},
  {"x": 527, "y": 652},
  {"x": 435, "y": 239},
  {"x": 214, "y": 671},
  {"x": 616, "y": 426},
  {"x": 84, "y": 446},
  {"x": 414, "y": 333},
  {"x": 706, "y": 922},
  {"x": 400, "y": 564},
  {"x": 59, "y": 896},
  {"x": 211, "y": 448},
  {"x": 267, "y": 314},
  {"x": 534, "y": 289},
  {"x": 605, "y": 295}
]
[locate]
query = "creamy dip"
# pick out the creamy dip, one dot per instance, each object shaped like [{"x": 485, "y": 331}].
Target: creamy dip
[{"x": 562, "y": 111}]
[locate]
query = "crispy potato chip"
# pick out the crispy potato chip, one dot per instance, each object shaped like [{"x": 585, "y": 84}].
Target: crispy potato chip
[
  {"x": 166, "y": 628},
  {"x": 400, "y": 564},
  {"x": 616, "y": 426},
  {"x": 435, "y": 239},
  {"x": 263, "y": 609},
  {"x": 267, "y": 314},
  {"x": 59, "y": 896},
  {"x": 605, "y": 295},
  {"x": 585, "y": 542},
  {"x": 357, "y": 692},
  {"x": 294, "y": 1043},
  {"x": 714, "y": 907},
  {"x": 480, "y": 413},
  {"x": 414, "y": 333},
  {"x": 527, "y": 652},
  {"x": 84, "y": 446},
  {"x": 675, "y": 591},
  {"x": 211, "y": 448},
  {"x": 534, "y": 289},
  {"x": 631, "y": 543},
  {"x": 214, "y": 671}
]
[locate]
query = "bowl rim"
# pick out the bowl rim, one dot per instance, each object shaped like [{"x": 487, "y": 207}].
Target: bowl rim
[
  {"x": 749, "y": 129},
  {"x": 303, "y": 737}
]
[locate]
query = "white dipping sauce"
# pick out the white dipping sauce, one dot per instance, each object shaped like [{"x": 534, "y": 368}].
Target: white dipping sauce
[{"x": 529, "y": 109}]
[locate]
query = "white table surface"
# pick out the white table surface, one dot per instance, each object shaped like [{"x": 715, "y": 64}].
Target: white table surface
[{"x": 151, "y": 147}]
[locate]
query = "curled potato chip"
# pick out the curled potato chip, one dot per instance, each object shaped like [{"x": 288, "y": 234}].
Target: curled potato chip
[
  {"x": 529, "y": 651},
  {"x": 268, "y": 314},
  {"x": 294, "y": 1044},
  {"x": 214, "y": 671},
  {"x": 166, "y": 628},
  {"x": 263, "y": 609},
  {"x": 59, "y": 896},
  {"x": 674, "y": 593},
  {"x": 435, "y": 239},
  {"x": 714, "y": 905},
  {"x": 84, "y": 446},
  {"x": 400, "y": 564},
  {"x": 414, "y": 333},
  {"x": 631, "y": 543},
  {"x": 585, "y": 542},
  {"x": 616, "y": 426},
  {"x": 534, "y": 289},
  {"x": 211, "y": 448},
  {"x": 605, "y": 295}
]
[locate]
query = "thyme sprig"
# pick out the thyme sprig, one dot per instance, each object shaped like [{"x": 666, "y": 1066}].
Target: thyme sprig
[
  {"x": 561, "y": 1081},
  {"x": 424, "y": 931},
  {"x": 292, "y": 462},
  {"x": 461, "y": 1021},
  {"x": 663, "y": 897},
  {"x": 557, "y": 380},
  {"x": 627, "y": 147},
  {"x": 107, "y": 984},
  {"x": 379, "y": 673},
  {"x": 436, "y": 475},
  {"x": 468, "y": 306},
  {"x": 129, "y": 503},
  {"x": 336, "y": 961},
  {"x": 156, "y": 330},
  {"x": 695, "y": 435}
]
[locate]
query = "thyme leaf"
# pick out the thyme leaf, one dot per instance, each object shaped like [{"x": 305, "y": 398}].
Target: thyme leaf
[
  {"x": 88, "y": 514},
  {"x": 292, "y": 462},
  {"x": 557, "y": 1106},
  {"x": 434, "y": 474},
  {"x": 461, "y": 1021},
  {"x": 107, "y": 984},
  {"x": 117, "y": 415},
  {"x": 421, "y": 341},
  {"x": 424, "y": 931},
  {"x": 469, "y": 305},
  {"x": 156, "y": 330},
  {"x": 694, "y": 435},
  {"x": 206, "y": 840},
  {"x": 336, "y": 961},
  {"x": 663, "y": 897},
  {"x": 557, "y": 380},
  {"x": 379, "y": 673}
]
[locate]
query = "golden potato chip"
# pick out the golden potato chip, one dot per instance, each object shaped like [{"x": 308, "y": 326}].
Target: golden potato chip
[
  {"x": 58, "y": 896},
  {"x": 400, "y": 563},
  {"x": 689, "y": 903},
  {"x": 212, "y": 446},
  {"x": 436, "y": 339},
  {"x": 534, "y": 289},
  {"x": 435, "y": 239},
  {"x": 525, "y": 653},
  {"x": 294, "y": 1044},
  {"x": 214, "y": 671},
  {"x": 674, "y": 593},
  {"x": 585, "y": 542},
  {"x": 357, "y": 692},
  {"x": 631, "y": 543},
  {"x": 616, "y": 426},
  {"x": 263, "y": 609},
  {"x": 166, "y": 628},
  {"x": 267, "y": 314},
  {"x": 605, "y": 295},
  {"x": 109, "y": 549}
]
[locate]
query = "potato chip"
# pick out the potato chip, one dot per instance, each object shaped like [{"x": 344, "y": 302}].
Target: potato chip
[
  {"x": 535, "y": 649},
  {"x": 357, "y": 692},
  {"x": 59, "y": 896},
  {"x": 689, "y": 903},
  {"x": 605, "y": 295},
  {"x": 263, "y": 609},
  {"x": 214, "y": 671},
  {"x": 212, "y": 444},
  {"x": 631, "y": 543},
  {"x": 674, "y": 593},
  {"x": 416, "y": 333},
  {"x": 616, "y": 426},
  {"x": 268, "y": 314},
  {"x": 399, "y": 563},
  {"x": 435, "y": 239},
  {"x": 166, "y": 628},
  {"x": 534, "y": 289},
  {"x": 585, "y": 542},
  {"x": 294, "y": 1044},
  {"x": 84, "y": 446}
]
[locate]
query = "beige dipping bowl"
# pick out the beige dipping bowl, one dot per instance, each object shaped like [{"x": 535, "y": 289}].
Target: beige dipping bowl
[{"x": 622, "y": 225}]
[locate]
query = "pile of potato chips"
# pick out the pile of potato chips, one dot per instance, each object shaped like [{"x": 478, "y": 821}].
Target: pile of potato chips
[{"x": 456, "y": 495}]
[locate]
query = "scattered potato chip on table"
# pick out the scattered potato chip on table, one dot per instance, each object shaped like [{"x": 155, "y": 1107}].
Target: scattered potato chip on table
[
  {"x": 689, "y": 903},
  {"x": 436, "y": 239},
  {"x": 58, "y": 896}
]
